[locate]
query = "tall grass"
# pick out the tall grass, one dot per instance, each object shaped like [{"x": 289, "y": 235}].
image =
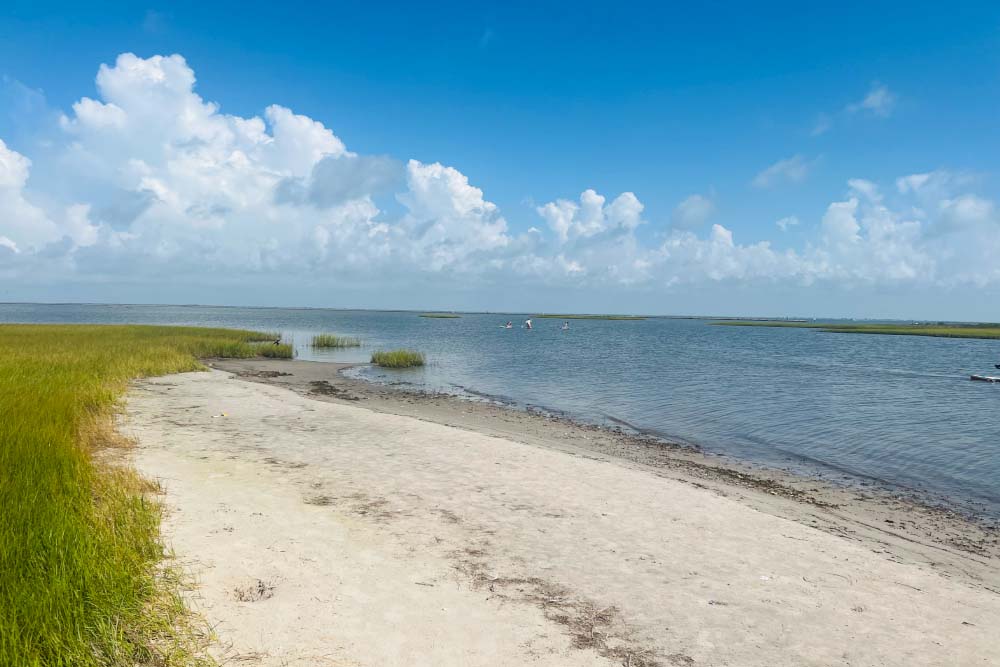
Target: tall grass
[
  {"x": 79, "y": 540},
  {"x": 280, "y": 351},
  {"x": 332, "y": 340},
  {"x": 261, "y": 336},
  {"x": 398, "y": 358}
]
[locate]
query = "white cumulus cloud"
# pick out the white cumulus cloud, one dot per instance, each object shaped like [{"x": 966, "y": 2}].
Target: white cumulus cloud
[
  {"x": 570, "y": 220},
  {"x": 784, "y": 224},
  {"x": 146, "y": 182},
  {"x": 693, "y": 212}
]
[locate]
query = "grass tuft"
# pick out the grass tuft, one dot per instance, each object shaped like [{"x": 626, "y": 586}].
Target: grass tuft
[
  {"x": 398, "y": 358},
  {"x": 280, "y": 351},
  {"x": 332, "y": 340},
  {"x": 82, "y": 580}
]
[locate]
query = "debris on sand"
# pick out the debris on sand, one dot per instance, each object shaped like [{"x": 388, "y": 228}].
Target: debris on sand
[
  {"x": 262, "y": 374},
  {"x": 254, "y": 592},
  {"x": 327, "y": 389}
]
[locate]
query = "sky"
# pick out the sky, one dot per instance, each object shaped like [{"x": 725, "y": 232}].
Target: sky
[{"x": 726, "y": 158}]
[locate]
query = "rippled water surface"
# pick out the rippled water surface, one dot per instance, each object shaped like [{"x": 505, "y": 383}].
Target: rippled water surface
[{"x": 900, "y": 409}]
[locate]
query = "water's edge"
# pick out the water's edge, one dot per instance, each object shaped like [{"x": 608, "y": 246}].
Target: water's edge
[{"x": 808, "y": 469}]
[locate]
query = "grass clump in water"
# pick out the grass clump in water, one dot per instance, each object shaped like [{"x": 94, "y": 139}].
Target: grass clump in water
[
  {"x": 332, "y": 340},
  {"x": 81, "y": 574},
  {"x": 279, "y": 351},
  {"x": 398, "y": 358},
  {"x": 441, "y": 316}
]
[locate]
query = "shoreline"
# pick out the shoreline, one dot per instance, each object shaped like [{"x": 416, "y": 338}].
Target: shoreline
[
  {"x": 796, "y": 467},
  {"x": 948, "y": 539},
  {"x": 323, "y": 528}
]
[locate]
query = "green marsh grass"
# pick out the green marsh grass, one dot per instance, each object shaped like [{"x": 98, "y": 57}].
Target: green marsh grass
[
  {"x": 280, "y": 351},
  {"x": 82, "y": 581},
  {"x": 948, "y": 331},
  {"x": 261, "y": 336},
  {"x": 935, "y": 330},
  {"x": 332, "y": 340},
  {"x": 398, "y": 358}
]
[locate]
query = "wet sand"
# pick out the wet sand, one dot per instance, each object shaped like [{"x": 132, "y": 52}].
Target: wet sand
[{"x": 329, "y": 521}]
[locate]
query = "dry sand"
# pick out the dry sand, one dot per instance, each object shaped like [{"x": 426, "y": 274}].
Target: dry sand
[{"x": 327, "y": 530}]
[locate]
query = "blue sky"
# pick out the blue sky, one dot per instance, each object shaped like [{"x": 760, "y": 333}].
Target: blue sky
[{"x": 533, "y": 104}]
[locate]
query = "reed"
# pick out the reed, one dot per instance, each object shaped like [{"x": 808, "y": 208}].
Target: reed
[
  {"x": 332, "y": 340},
  {"x": 398, "y": 358},
  {"x": 81, "y": 575}
]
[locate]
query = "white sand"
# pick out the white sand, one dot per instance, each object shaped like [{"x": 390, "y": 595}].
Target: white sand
[{"x": 394, "y": 541}]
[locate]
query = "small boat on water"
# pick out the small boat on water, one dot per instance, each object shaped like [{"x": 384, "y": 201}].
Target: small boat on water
[{"x": 985, "y": 378}]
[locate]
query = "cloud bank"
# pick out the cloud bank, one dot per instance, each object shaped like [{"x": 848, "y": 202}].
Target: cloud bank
[{"x": 148, "y": 181}]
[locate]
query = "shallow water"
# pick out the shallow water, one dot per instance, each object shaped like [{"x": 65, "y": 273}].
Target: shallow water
[{"x": 899, "y": 409}]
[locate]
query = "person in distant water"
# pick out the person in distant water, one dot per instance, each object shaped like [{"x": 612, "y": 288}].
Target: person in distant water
[
  {"x": 509, "y": 325},
  {"x": 527, "y": 324},
  {"x": 565, "y": 326}
]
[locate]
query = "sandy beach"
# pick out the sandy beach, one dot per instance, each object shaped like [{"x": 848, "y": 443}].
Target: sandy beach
[{"x": 329, "y": 522}]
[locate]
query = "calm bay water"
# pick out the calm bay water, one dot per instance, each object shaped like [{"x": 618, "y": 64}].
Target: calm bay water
[{"x": 899, "y": 409}]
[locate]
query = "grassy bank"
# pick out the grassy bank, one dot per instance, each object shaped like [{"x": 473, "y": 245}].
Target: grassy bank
[
  {"x": 79, "y": 542},
  {"x": 332, "y": 340},
  {"x": 398, "y": 358},
  {"x": 936, "y": 330},
  {"x": 591, "y": 317},
  {"x": 279, "y": 351}
]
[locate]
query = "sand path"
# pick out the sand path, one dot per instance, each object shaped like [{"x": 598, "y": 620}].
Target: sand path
[{"x": 322, "y": 533}]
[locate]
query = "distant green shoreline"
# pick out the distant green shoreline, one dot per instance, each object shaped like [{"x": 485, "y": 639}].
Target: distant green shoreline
[
  {"x": 441, "y": 316},
  {"x": 985, "y": 331},
  {"x": 592, "y": 317}
]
